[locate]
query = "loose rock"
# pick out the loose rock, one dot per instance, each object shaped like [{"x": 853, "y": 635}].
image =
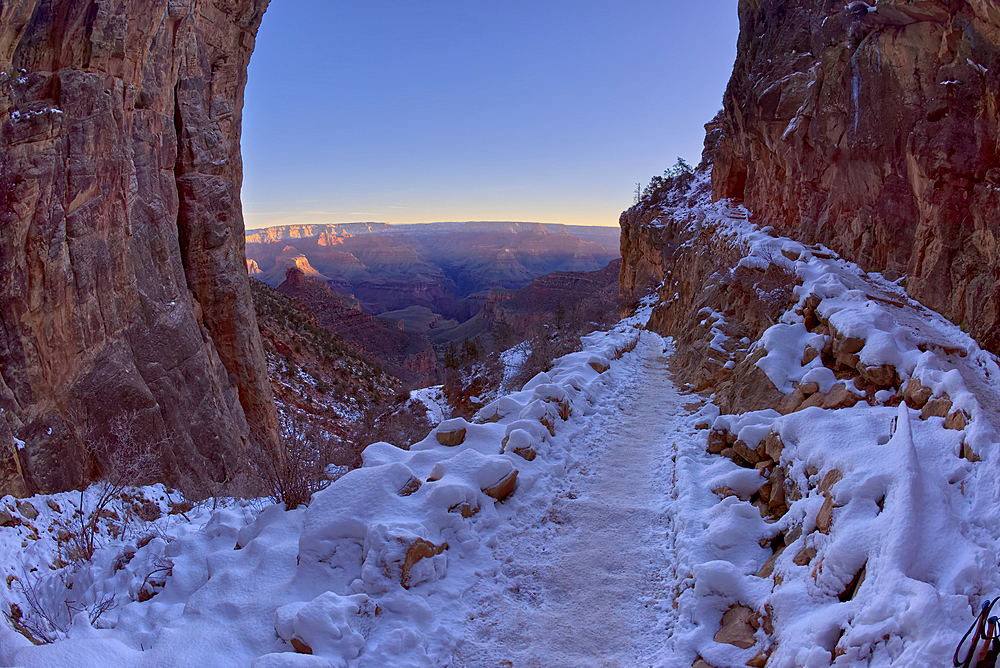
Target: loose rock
[
  {"x": 503, "y": 489},
  {"x": 936, "y": 408},
  {"x": 915, "y": 394},
  {"x": 737, "y": 628},
  {"x": 956, "y": 420}
]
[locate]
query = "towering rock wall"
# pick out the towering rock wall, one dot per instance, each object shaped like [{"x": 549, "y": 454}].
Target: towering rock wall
[
  {"x": 123, "y": 283},
  {"x": 874, "y": 130}
]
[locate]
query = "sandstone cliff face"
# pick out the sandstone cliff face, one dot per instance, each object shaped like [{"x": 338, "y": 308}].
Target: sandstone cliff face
[
  {"x": 123, "y": 283},
  {"x": 874, "y": 130}
]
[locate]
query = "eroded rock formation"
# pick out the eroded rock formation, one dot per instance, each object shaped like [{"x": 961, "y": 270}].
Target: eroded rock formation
[
  {"x": 874, "y": 130},
  {"x": 123, "y": 283},
  {"x": 407, "y": 355}
]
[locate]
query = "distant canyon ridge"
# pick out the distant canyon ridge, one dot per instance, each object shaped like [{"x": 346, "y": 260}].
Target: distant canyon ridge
[
  {"x": 442, "y": 266},
  {"x": 400, "y": 293}
]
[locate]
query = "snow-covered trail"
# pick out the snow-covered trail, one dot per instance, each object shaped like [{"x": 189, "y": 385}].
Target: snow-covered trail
[{"x": 583, "y": 568}]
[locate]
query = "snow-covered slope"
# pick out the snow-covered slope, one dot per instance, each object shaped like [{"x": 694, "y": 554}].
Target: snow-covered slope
[
  {"x": 859, "y": 525},
  {"x": 599, "y": 516}
]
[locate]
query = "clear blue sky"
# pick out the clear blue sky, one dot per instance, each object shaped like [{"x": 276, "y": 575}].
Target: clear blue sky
[{"x": 405, "y": 111}]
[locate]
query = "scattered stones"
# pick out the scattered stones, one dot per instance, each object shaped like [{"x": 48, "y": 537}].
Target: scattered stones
[
  {"x": 832, "y": 477},
  {"x": 419, "y": 549},
  {"x": 300, "y": 646},
  {"x": 599, "y": 367},
  {"x": 766, "y": 618},
  {"x": 805, "y": 555},
  {"x": 846, "y": 345},
  {"x": 527, "y": 453},
  {"x": 825, "y": 516},
  {"x": 809, "y": 355},
  {"x": 915, "y": 394},
  {"x": 777, "y": 496},
  {"x": 791, "y": 402},
  {"x": 809, "y": 388},
  {"x": 768, "y": 566},
  {"x": 737, "y": 627},
  {"x": 967, "y": 453},
  {"x": 882, "y": 376},
  {"x": 53, "y": 505},
  {"x": 765, "y": 492},
  {"x": 854, "y": 584},
  {"x": 759, "y": 661},
  {"x": 725, "y": 492},
  {"x": 411, "y": 486},
  {"x": 451, "y": 434},
  {"x": 773, "y": 446},
  {"x": 839, "y": 397},
  {"x": 746, "y": 452},
  {"x": 6, "y": 519},
  {"x": 465, "y": 509},
  {"x": 716, "y": 442}
]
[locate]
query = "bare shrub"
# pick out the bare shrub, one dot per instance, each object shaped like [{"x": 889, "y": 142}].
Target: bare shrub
[
  {"x": 298, "y": 469},
  {"x": 126, "y": 460},
  {"x": 400, "y": 421},
  {"x": 546, "y": 346},
  {"x": 51, "y": 607},
  {"x": 775, "y": 287}
]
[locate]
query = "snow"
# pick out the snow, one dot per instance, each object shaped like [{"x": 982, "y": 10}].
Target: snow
[
  {"x": 434, "y": 402},
  {"x": 623, "y": 542}
]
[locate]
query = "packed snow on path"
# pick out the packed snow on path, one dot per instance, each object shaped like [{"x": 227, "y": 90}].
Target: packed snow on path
[{"x": 583, "y": 567}]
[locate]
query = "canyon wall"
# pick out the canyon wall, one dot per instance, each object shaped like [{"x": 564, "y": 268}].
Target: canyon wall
[
  {"x": 874, "y": 130},
  {"x": 123, "y": 281}
]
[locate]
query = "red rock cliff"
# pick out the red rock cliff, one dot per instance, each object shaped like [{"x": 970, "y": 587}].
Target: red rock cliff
[
  {"x": 123, "y": 281},
  {"x": 874, "y": 130}
]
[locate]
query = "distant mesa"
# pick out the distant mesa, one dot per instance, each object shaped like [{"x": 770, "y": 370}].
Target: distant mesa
[
  {"x": 408, "y": 356},
  {"x": 289, "y": 257}
]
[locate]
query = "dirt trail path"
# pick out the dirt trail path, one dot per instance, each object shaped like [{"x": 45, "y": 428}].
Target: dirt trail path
[{"x": 580, "y": 578}]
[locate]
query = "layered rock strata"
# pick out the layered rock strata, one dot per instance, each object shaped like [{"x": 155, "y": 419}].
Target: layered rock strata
[
  {"x": 875, "y": 129},
  {"x": 123, "y": 283},
  {"x": 407, "y": 355}
]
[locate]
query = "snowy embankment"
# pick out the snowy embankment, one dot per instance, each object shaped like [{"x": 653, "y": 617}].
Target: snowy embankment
[
  {"x": 372, "y": 573},
  {"x": 589, "y": 519},
  {"x": 862, "y": 527}
]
